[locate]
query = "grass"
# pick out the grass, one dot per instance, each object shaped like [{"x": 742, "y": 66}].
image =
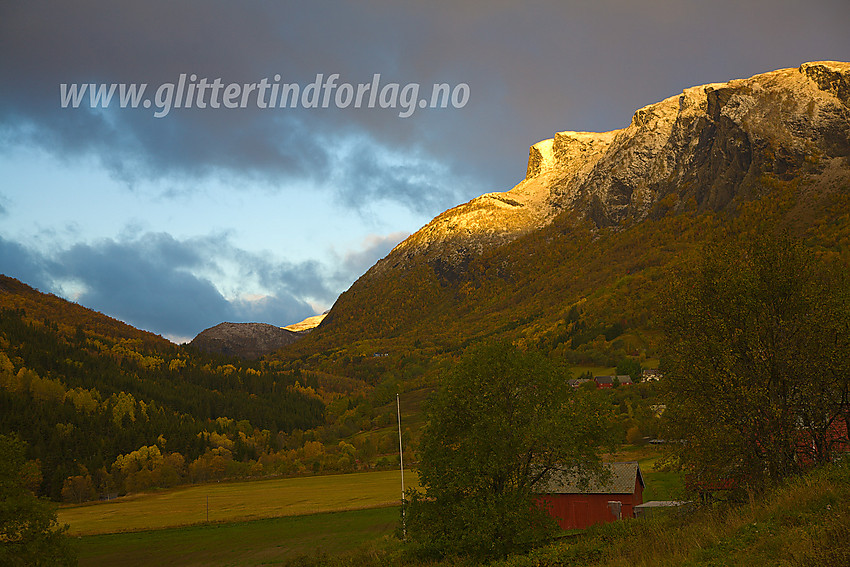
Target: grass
[
  {"x": 663, "y": 486},
  {"x": 262, "y": 542},
  {"x": 237, "y": 501},
  {"x": 660, "y": 484}
]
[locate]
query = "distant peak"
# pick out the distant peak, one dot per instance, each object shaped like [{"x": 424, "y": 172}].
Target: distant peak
[
  {"x": 306, "y": 324},
  {"x": 248, "y": 340}
]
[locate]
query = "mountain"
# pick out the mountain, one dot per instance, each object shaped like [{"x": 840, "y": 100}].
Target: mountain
[
  {"x": 246, "y": 340},
  {"x": 307, "y": 324},
  {"x": 711, "y": 144},
  {"x": 593, "y": 230}
]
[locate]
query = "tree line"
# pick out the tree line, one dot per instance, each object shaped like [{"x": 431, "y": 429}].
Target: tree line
[{"x": 80, "y": 400}]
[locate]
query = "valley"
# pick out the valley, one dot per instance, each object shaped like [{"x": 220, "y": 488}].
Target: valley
[{"x": 707, "y": 236}]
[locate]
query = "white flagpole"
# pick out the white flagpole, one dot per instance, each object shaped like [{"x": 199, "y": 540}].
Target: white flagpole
[{"x": 401, "y": 465}]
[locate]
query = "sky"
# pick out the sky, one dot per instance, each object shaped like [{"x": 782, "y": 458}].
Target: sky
[{"x": 213, "y": 201}]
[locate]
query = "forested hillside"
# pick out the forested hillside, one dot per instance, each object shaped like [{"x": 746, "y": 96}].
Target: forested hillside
[
  {"x": 82, "y": 389},
  {"x": 584, "y": 295}
]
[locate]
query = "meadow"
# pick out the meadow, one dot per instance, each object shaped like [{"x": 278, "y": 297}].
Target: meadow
[
  {"x": 237, "y": 502},
  {"x": 264, "y": 522},
  {"x": 262, "y": 542}
]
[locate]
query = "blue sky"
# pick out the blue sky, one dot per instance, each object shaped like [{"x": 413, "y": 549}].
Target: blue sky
[{"x": 178, "y": 223}]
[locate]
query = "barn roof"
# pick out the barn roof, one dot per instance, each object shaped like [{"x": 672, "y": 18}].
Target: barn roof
[
  {"x": 621, "y": 481},
  {"x": 622, "y": 378}
]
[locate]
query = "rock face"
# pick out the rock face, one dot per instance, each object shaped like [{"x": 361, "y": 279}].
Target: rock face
[
  {"x": 246, "y": 340},
  {"x": 705, "y": 149}
]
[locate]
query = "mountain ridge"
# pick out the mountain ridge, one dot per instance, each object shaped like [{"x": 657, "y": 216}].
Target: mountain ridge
[
  {"x": 775, "y": 147},
  {"x": 246, "y": 340},
  {"x": 15, "y": 294},
  {"x": 618, "y": 175},
  {"x": 307, "y": 324}
]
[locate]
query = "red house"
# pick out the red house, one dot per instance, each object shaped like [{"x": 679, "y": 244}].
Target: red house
[
  {"x": 577, "y": 507},
  {"x": 609, "y": 381}
]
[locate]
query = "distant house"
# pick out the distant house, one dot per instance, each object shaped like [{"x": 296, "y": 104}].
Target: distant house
[
  {"x": 576, "y": 382},
  {"x": 835, "y": 441},
  {"x": 704, "y": 486},
  {"x": 576, "y": 507},
  {"x": 608, "y": 381},
  {"x": 651, "y": 374}
]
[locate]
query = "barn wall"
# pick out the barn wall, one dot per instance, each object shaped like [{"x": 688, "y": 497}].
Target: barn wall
[
  {"x": 579, "y": 511},
  {"x": 637, "y": 498}
]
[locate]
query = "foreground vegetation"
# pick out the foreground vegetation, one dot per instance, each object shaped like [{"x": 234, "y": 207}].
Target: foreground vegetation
[
  {"x": 29, "y": 532},
  {"x": 803, "y": 523},
  {"x": 755, "y": 359},
  {"x": 501, "y": 425}
]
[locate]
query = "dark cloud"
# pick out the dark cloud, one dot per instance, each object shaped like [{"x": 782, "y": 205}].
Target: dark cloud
[
  {"x": 47, "y": 44},
  {"x": 533, "y": 69},
  {"x": 159, "y": 283},
  {"x": 145, "y": 283},
  {"x": 19, "y": 262}
]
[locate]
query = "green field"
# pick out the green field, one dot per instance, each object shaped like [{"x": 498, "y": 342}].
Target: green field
[
  {"x": 237, "y": 501},
  {"x": 595, "y": 370},
  {"x": 266, "y": 522},
  {"x": 660, "y": 484},
  {"x": 261, "y": 542}
]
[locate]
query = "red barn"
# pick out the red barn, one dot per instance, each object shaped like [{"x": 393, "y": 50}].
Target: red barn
[
  {"x": 609, "y": 381},
  {"x": 577, "y": 507}
]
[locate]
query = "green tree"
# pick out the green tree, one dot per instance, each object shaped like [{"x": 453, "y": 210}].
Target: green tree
[
  {"x": 29, "y": 532},
  {"x": 755, "y": 361},
  {"x": 630, "y": 367},
  {"x": 502, "y": 422},
  {"x": 78, "y": 489}
]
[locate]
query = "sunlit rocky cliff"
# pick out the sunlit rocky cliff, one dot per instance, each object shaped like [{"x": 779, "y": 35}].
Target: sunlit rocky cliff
[
  {"x": 600, "y": 219},
  {"x": 708, "y": 146}
]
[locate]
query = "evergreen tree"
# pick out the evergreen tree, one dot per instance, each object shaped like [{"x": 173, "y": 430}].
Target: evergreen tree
[{"x": 29, "y": 531}]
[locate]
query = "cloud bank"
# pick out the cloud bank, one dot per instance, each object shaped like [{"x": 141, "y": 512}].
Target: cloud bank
[{"x": 154, "y": 281}]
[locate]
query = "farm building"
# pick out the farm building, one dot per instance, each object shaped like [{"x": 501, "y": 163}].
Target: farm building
[
  {"x": 577, "y": 507},
  {"x": 610, "y": 381}
]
